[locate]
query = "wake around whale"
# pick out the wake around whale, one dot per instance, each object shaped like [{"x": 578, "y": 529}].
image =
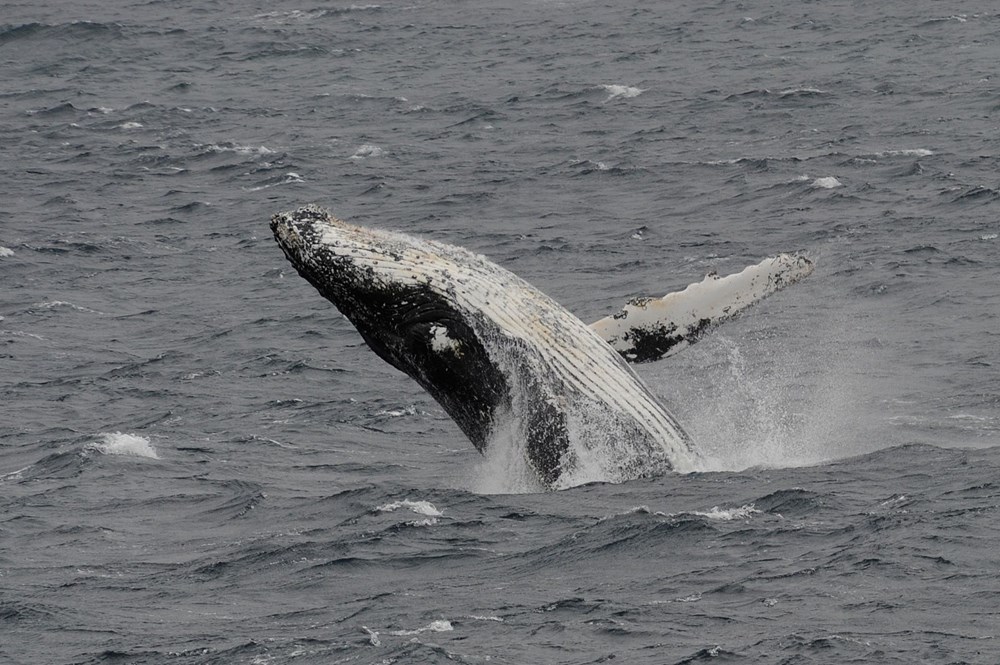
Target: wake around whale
[{"x": 507, "y": 362}]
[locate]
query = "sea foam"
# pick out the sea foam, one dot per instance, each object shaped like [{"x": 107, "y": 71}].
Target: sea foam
[
  {"x": 911, "y": 152},
  {"x": 729, "y": 514},
  {"x": 829, "y": 182},
  {"x": 366, "y": 150},
  {"x": 439, "y": 626},
  {"x": 117, "y": 443},
  {"x": 621, "y": 91},
  {"x": 420, "y": 507}
]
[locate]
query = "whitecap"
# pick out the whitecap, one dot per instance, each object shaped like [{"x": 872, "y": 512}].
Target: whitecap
[
  {"x": 130, "y": 125},
  {"x": 989, "y": 236},
  {"x": 366, "y": 150},
  {"x": 20, "y": 333},
  {"x": 420, "y": 507},
  {"x": 15, "y": 475},
  {"x": 909, "y": 152},
  {"x": 53, "y": 304},
  {"x": 240, "y": 149},
  {"x": 4, "y": 251},
  {"x": 117, "y": 443},
  {"x": 828, "y": 182},
  {"x": 439, "y": 626},
  {"x": 716, "y": 513},
  {"x": 410, "y": 410},
  {"x": 624, "y": 91},
  {"x": 287, "y": 179},
  {"x": 292, "y": 15},
  {"x": 693, "y": 598},
  {"x": 372, "y": 636},
  {"x": 729, "y": 514},
  {"x": 801, "y": 91}
]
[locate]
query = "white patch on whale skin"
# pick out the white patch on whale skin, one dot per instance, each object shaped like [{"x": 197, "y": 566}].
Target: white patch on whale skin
[{"x": 440, "y": 341}]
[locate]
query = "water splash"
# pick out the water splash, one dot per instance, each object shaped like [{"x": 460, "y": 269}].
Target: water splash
[
  {"x": 504, "y": 468},
  {"x": 782, "y": 408},
  {"x": 117, "y": 443}
]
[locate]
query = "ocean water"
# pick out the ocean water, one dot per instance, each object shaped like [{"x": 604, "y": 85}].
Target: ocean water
[{"x": 201, "y": 462}]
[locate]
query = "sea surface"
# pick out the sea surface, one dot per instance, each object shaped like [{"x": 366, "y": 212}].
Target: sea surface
[{"x": 202, "y": 463}]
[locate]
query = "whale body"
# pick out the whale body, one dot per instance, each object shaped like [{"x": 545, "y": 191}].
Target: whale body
[{"x": 502, "y": 358}]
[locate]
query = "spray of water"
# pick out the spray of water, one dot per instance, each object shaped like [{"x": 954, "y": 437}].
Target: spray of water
[
  {"x": 773, "y": 403},
  {"x": 504, "y": 468},
  {"x": 754, "y": 403}
]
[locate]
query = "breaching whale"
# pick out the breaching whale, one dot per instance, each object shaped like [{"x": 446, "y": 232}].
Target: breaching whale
[{"x": 502, "y": 358}]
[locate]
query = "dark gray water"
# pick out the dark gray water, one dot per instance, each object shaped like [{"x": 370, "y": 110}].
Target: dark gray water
[{"x": 200, "y": 461}]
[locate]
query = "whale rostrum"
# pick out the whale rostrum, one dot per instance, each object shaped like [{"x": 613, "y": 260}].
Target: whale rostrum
[{"x": 506, "y": 361}]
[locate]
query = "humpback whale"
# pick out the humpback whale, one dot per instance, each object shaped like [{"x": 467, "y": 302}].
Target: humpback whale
[{"x": 502, "y": 358}]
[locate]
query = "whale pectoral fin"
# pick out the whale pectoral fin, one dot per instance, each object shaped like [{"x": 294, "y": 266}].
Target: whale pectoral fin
[{"x": 649, "y": 329}]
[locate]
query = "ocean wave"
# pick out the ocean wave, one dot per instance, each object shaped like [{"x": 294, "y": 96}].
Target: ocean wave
[
  {"x": 62, "y": 109},
  {"x": 799, "y": 93},
  {"x": 410, "y": 410},
  {"x": 438, "y": 626},
  {"x": 62, "y": 304},
  {"x": 826, "y": 182},
  {"x": 616, "y": 91},
  {"x": 419, "y": 507},
  {"x": 716, "y": 513},
  {"x": 729, "y": 514},
  {"x": 906, "y": 152},
  {"x": 227, "y": 146},
  {"x": 976, "y": 194},
  {"x": 366, "y": 150},
  {"x": 289, "y": 178},
  {"x": 71, "y": 30},
  {"x": 310, "y": 15}
]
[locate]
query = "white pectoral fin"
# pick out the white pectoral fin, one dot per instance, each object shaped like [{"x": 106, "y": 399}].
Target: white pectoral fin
[{"x": 648, "y": 329}]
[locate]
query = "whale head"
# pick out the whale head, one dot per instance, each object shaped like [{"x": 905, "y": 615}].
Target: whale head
[{"x": 402, "y": 295}]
